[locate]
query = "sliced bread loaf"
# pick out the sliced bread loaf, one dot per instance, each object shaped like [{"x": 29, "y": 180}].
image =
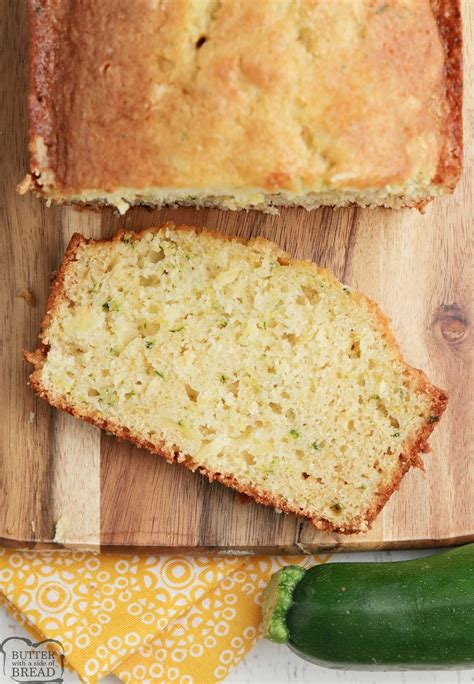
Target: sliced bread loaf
[
  {"x": 262, "y": 372},
  {"x": 252, "y": 104}
]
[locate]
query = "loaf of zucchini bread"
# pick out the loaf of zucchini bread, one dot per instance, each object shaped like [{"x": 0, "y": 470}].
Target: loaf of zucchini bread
[
  {"x": 262, "y": 372},
  {"x": 249, "y": 104}
]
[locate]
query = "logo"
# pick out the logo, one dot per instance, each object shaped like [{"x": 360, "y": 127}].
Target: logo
[{"x": 29, "y": 663}]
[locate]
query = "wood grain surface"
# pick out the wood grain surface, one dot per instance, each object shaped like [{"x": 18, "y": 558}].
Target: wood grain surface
[{"x": 64, "y": 482}]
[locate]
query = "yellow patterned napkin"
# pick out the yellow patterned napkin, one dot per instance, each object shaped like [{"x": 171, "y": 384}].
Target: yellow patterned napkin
[{"x": 180, "y": 619}]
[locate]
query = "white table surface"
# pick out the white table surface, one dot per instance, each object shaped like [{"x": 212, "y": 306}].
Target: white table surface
[{"x": 269, "y": 662}]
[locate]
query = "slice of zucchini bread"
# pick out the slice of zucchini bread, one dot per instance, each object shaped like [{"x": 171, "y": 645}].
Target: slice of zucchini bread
[{"x": 262, "y": 372}]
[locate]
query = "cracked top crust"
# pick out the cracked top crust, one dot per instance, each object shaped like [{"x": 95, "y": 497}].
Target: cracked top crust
[{"x": 313, "y": 96}]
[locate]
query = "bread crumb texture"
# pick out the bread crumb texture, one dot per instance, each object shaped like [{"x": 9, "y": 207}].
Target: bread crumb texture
[
  {"x": 264, "y": 372},
  {"x": 245, "y": 104}
]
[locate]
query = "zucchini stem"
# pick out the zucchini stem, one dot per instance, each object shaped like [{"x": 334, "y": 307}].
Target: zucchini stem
[{"x": 277, "y": 600}]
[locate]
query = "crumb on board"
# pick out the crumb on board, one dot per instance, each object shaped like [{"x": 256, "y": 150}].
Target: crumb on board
[
  {"x": 61, "y": 529},
  {"x": 25, "y": 185}
]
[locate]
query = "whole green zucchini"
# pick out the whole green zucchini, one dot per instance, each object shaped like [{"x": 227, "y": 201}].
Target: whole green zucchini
[{"x": 416, "y": 614}]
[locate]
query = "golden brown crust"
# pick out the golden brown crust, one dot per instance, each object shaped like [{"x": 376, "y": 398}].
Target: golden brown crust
[
  {"x": 55, "y": 296},
  {"x": 43, "y": 72},
  {"x": 410, "y": 458},
  {"x": 448, "y": 18},
  {"x": 84, "y": 97}
]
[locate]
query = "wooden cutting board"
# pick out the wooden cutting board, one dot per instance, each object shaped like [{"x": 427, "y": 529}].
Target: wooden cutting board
[{"x": 64, "y": 482}]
